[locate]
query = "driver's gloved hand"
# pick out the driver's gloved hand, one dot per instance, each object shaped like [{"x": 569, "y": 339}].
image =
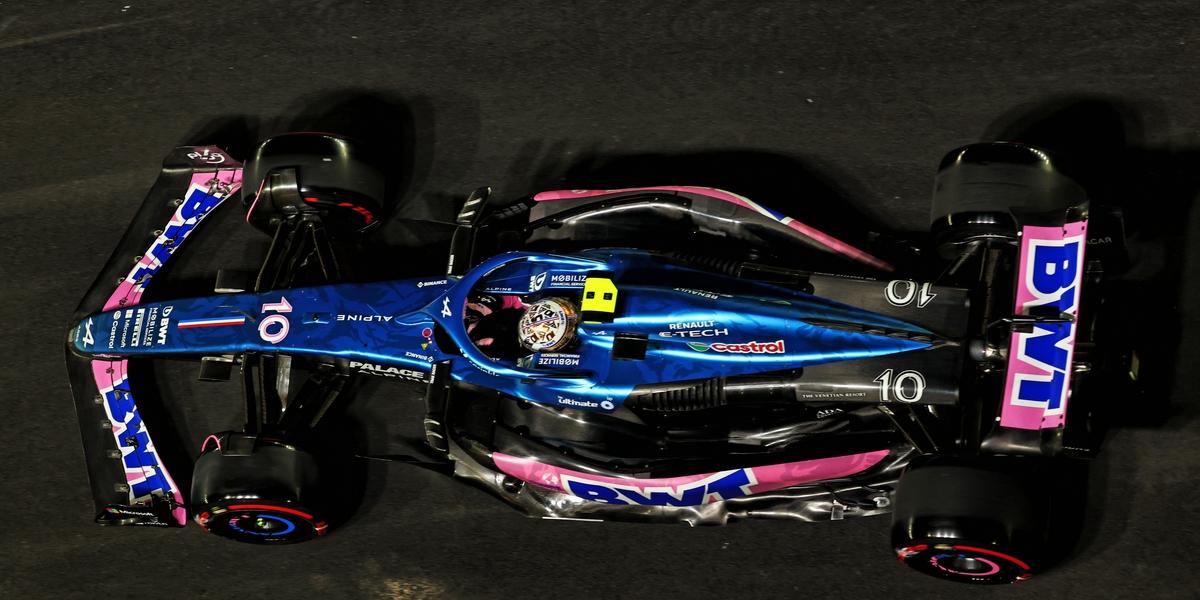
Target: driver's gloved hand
[{"x": 491, "y": 323}]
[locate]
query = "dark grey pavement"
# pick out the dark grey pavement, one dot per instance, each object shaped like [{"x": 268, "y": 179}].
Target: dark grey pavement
[{"x": 816, "y": 107}]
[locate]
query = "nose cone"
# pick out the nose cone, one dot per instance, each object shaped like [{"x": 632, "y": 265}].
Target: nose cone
[
  {"x": 81, "y": 337},
  {"x": 75, "y": 339}
]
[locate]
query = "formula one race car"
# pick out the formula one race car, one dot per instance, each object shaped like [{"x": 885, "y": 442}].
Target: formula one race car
[{"x": 736, "y": 363}]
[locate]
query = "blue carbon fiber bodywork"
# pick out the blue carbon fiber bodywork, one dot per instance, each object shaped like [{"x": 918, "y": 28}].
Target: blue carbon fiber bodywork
[{"x": 696, "y": 325}]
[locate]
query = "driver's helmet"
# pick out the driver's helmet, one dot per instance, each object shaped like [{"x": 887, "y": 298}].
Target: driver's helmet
[{"x": 548, "y": 325}]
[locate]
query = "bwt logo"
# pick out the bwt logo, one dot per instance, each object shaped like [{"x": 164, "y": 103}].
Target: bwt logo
[
  {"x": 1051, "y": 278},
  {"x": 714, "y": 488},
  {"x": 194, "y": 208},
  {"x": 145, "y": 476}
]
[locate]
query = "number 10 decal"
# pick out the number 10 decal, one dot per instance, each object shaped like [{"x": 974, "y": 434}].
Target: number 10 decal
[
  {"x": 283, "y": 306},
  {"x": 901, "y": 292},
  {"x": 908, "y": 386}
]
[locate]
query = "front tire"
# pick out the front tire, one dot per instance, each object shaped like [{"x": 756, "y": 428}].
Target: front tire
[
  {"x": 259, "y": 491},
  {"x": 314, "y": 175}
]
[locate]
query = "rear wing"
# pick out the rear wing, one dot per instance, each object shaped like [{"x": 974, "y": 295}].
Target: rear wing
[
  {"x": 1049, "y": 277},
  {"x": 130, "y": 482}
]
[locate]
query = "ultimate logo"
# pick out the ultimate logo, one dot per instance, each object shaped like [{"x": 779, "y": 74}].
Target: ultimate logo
[{"x": 775, "y": 347}]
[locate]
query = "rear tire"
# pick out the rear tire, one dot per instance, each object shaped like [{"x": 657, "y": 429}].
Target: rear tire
[
  {"x": 983, "y": 521},
  {"x": 258, "y": 491},
  {"x": 981, "y": 190},
  {"x": 314, "y": 175}
]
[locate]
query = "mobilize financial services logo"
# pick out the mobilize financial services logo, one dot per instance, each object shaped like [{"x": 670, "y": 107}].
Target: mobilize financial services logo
[{"x": 776, "y": 347}]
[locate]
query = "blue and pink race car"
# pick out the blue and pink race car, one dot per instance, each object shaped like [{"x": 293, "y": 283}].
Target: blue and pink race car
[{"x": 736, "y": 363}]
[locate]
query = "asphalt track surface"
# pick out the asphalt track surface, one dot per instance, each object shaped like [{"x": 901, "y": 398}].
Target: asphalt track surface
[{"x": 819, "y": 109}]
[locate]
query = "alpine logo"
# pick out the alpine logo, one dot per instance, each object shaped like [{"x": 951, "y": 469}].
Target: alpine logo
[
  {"x": 776, "y": 347},
  {"x": 369, "y": 318},
  {"x": 1039, "y": 366},
  {"x": 88, "y": 340}
]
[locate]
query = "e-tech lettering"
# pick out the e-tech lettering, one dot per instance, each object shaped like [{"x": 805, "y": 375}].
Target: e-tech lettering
[
  {"x": 714, "y": 488},
  {"x": 694, "y": 333}
]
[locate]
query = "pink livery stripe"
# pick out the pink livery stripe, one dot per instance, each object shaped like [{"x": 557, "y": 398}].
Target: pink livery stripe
[
  {"x": 145, "y": 474},
  {"x": 214, "y": 322},
  {"x": 210, "y": 188},
  {"x": 687, "y": 490}
]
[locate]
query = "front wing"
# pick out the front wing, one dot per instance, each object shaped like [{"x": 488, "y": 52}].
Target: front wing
[{"x": 131, "y": 484}]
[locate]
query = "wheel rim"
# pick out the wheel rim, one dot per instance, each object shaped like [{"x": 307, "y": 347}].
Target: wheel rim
[
  {"x": 958, "y": 563},
  {"x": 261, "y": 523},
  {"x": 965, "y": 563},
  {"x": 265, "y": 525}
]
